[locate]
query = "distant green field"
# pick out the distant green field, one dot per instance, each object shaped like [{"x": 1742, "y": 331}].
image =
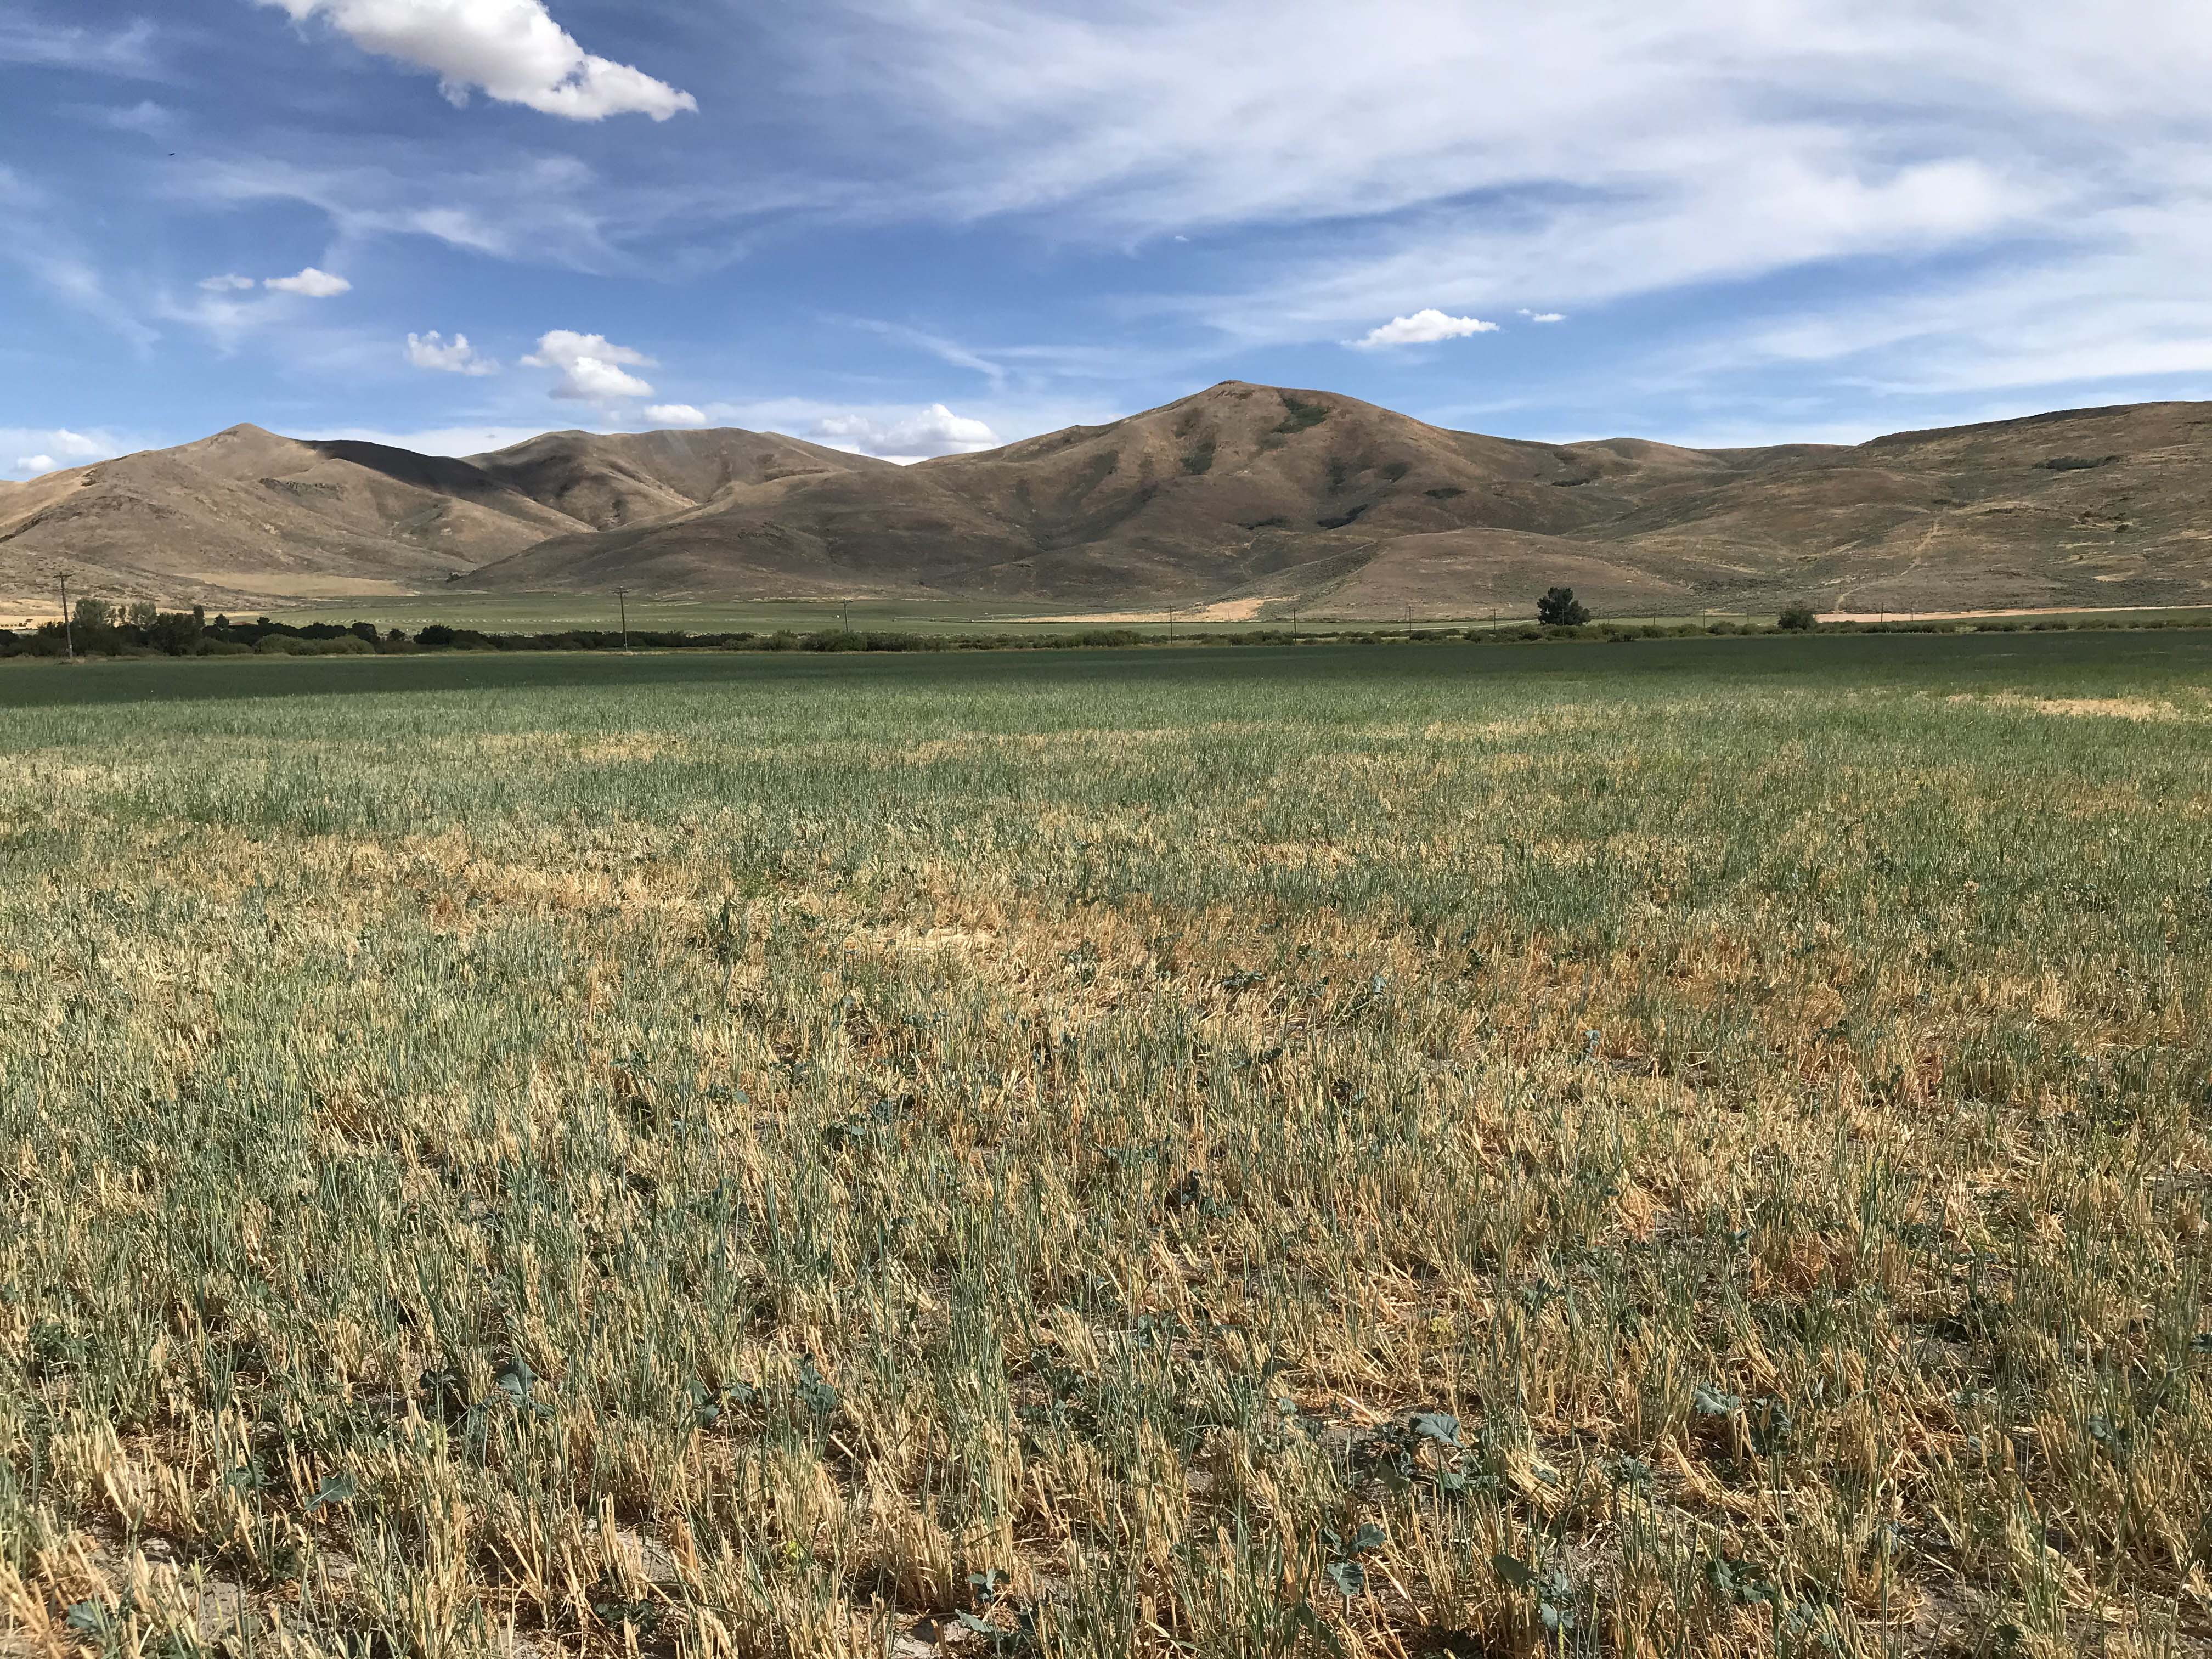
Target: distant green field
[
  {"x": 541, "y": 612},
  {"x": 1693, "y": 1148}
]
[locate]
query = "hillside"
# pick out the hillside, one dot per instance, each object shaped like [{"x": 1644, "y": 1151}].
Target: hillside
[
  {"x": 1237, "y": 488},
  {"x": 1286, "y": 500},
  {"x": 246, "y": 518},
  {"x": 1306, "y": 499}
]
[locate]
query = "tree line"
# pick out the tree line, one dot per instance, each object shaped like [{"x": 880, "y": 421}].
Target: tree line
[{"x": 98, "y": 629}]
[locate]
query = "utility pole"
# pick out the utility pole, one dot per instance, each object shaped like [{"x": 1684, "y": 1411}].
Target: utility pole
[
  {"x": 69, "y": 626},
  {"x": 622, "y": 597},
  {"x": 1170, "y": 622}
]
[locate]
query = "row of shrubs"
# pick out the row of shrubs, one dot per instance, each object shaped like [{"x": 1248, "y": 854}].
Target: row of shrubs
[{"x": 98, "y": 630}]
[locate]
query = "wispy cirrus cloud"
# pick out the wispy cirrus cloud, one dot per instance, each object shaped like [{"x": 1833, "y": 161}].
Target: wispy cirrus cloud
[
  {"x": 128, "y": 51},
  {"x": 57, "y": 262},
  {"x": 1583, "y": 152}
]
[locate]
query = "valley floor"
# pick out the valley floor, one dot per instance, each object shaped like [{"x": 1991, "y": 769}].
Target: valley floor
[{"x": 1692, "y": 1148}]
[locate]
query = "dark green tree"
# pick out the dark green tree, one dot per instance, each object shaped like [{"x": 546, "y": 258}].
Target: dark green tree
[
  {"x": 1798, "y": 619},
  {"x": 1559, "y": 608}
]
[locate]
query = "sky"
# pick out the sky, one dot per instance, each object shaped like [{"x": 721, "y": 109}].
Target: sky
[{"x": 913, "y": 227}]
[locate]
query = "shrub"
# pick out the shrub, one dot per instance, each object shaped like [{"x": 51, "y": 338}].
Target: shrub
[
  {"x": 1799, "y": 618},
  {"x": 1559, "y": 608}
]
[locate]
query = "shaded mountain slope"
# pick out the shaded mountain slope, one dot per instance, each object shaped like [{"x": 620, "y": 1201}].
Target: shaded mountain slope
[
  {"x": 245, "y": 516},
  {"x": 607, "y": 480}
]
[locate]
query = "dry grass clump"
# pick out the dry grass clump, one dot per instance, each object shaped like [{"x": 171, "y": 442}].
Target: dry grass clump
[{"x": 998, "y": 1159}]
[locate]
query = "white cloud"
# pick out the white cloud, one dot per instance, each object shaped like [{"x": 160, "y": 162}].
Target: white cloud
[
  {"x": 125, "y": 52},
  {"x": 228, "y": 284},
  {"x": 1585, "y": 149},
  {"x": 511, "y": 50},
  {"x": 52, "y": 449},
  {"x": 57, "y": 262},
  {"x": 312, "y": 283},
  {"x": 1545, "y": 316},
  {"x": 938, "y": 346},
  {"x": 456, "y": 356},
  {"x": 592, "y": 369},
  {"x": 145, "y": 118},
  {"x": 1422, "y": 328},
  {"x": 902, "y": 437},
  {"x": 440, "y": 440},
  {"x": 675, "y": 414}
]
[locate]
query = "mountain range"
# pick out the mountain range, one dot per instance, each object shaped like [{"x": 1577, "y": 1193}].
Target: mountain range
[{"x": 1258, "y": 500}]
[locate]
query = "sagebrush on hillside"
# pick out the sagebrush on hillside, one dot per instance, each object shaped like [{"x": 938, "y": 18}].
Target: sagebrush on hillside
[{"x": 1690, "y": 1150}]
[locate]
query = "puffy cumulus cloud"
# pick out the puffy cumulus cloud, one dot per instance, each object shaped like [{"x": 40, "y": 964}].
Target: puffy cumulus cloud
[
  {"x": 455, "y": 356},
  {"x": 510, "y": 50},
  {"x": 53, "y": 449},
  {"x": 228, "y": 284},
  {"x": 916, "y": 437},
  {"x": 1422, "y": 328},
  {"x": 593, "y": 370},
  {"x": 312, "y": 283},
  {"x": 675, "y": 414}
]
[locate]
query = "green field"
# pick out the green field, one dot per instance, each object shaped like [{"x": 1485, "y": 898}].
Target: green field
[
  {"x": 1694, "y": 1147},
  {"x": 542, "y": 612}
]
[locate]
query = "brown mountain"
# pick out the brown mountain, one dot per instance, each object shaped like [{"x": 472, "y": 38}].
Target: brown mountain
[
  {"x": 1276, "y": 500},
  {"x": 246, "y": 518},
  {"x": 1306, "y": 500},
  {"x": 608, "y": 481},
  {"x": 1237, "y": 490}
]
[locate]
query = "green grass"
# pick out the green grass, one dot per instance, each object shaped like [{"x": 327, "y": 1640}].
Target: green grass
[
  {"x": 538, "y": 613},
  {"x": 1690, "y": 1147},
  {"x": 542, "y": 612}
]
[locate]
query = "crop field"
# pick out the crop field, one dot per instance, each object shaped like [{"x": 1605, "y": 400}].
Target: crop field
[
  {"x": 543, "y": 612},
  {"x": 1696, "y": 1147},
  {"x": 524, "y": 613}
]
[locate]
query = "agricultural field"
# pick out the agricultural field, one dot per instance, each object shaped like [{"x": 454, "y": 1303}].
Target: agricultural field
[
  {"x": 542, "y": 612},
  {"x": 1695, "y": 1147}
]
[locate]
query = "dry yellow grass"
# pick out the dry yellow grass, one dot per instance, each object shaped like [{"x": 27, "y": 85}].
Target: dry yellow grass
[{"x": 1483, "y": 1163}]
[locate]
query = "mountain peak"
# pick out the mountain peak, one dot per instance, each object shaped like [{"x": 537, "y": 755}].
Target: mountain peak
[{"x": 1268, "y": 497}]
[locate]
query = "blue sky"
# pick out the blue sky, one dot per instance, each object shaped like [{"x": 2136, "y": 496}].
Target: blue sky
[{"x": 913, "y": 226}]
